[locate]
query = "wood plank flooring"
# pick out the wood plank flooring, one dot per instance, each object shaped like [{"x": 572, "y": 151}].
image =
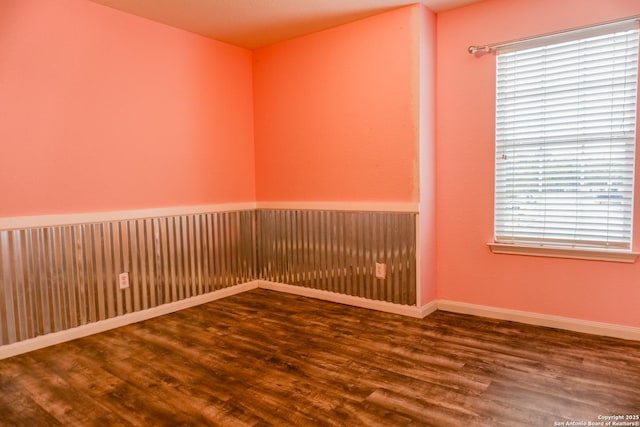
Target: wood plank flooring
[{"x": 264, "y": 358}]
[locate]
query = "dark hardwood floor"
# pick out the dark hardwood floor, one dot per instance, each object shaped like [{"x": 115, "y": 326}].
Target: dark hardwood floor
[{"x": 265, "y": 358}]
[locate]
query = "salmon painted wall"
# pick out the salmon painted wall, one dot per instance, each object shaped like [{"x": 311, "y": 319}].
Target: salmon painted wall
[
  {"x": 466, "y": 270},
  {"x": 336, "y": 113},
  {"x": 426, "y": 72},
  {"x": 104, "y": 111}
]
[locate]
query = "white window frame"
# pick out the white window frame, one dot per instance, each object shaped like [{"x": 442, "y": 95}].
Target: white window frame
[{"x": 530, "y": 244}]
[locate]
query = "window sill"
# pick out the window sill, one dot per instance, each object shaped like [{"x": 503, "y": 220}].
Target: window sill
[{"x": 593, "y": 255}]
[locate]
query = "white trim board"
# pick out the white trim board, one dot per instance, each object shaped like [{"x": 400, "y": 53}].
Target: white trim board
[
  {"x": 427, "y": 309},
  {"x": 399, "y": 207},
  {"x": 20, "y": 347},
  {"x": 566, "y": 323},
  {"x": 12, "y": 223},
  {"x": 42, "y": 341},
  {"x": 388, "y": 307},
  {"x": 19, "y": 222},
  {"x": 577, "y": 325},
  {"x": 537, "y": 319}
]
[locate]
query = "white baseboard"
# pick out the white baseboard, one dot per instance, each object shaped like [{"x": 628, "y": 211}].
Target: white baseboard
[
  {"x": 405, "y": 310},
  {"x": 54, "y": 338},
  {"x": 427, "y": 309},
  {"x": 567, "y": 323},
  {"x": 577, "y": 325}
]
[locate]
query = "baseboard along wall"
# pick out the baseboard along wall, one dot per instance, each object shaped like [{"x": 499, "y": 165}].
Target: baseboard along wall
[
  {"x": 42, "y": 341},
  {"x": 576, "y": 325},
  {"x": 547, "y": 320}
]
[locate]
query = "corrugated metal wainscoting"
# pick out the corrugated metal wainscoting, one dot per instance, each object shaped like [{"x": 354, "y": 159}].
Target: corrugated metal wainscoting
[
  {"x": 337, "y": 251},
  {"x": 56, "y": 278}
]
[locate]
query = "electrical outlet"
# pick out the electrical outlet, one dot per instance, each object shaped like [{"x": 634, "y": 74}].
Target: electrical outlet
[
  {"x": 381, "y": 270},
  {"x": 123, "y": 280}
]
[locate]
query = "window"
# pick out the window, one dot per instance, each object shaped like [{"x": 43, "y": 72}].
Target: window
[{"x": 565, "y": 143}]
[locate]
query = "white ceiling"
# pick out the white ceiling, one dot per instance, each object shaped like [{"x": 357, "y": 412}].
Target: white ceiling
[{"x": 257, "y": 23}]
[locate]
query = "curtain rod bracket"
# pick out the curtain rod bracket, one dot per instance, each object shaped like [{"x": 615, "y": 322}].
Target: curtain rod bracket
[{"x": 479, "y": 50}]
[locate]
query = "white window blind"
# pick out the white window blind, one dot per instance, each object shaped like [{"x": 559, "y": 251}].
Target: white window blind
[{"x": 565, "y": 143}]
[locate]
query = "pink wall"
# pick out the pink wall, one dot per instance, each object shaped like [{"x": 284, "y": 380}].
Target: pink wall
[
  {"x": 105, "y": 111},
  {"x": 336, "y": 113},
  {"x": 467, "y": 271},
  {"x": 427, "y": 218}
]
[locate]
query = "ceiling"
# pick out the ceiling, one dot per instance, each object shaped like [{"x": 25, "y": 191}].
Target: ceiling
[{"x": 257, "y": 23}]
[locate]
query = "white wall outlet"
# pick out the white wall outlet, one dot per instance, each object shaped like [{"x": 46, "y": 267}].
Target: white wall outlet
[
  {"x": 123, "y": 280},
  {"x": 381, "y": 270}
]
